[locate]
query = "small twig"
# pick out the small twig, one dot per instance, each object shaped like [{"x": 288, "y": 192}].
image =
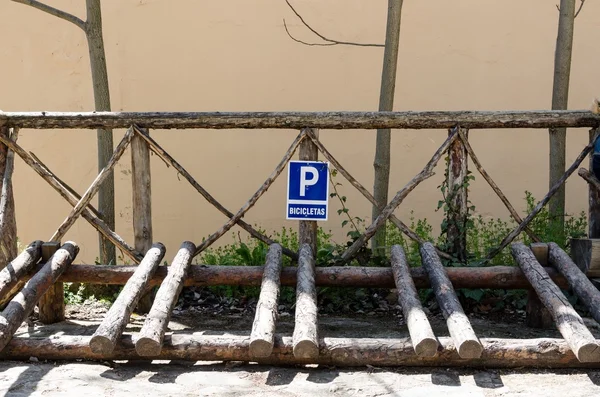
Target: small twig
[
  {"x": 55, "y": 12},
  {"x": 343, "y": 204},
  {"x": 329, "y": 41}
]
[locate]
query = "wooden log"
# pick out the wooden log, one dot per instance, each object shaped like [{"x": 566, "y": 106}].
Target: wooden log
[
  {"x": 142, "y": 206},
  {"x": 11, "y": 276},
  {"x": 89, "y": 213},
  {"x": 397, "y": 222},
  {"x": 151, "y": 336},
  {"x": 460, "y": 329},
  {"x": 586, "y": 255},
  {"x": 425, "y": 173},
  {"x": 93, "y": 189},
  {"x": 568, "y": 322},
  {"x": 515, "y": 215},
  {"x": 421, "y": 335},
  {"x": 579, "y": 283},
  {"x": 169, "y": 160},
  {"x": 307, "y": 230},
  {"x": 340, "y": 352},
  {"x": 305, "y": 335},
  {"x": 298, "y": 120},
  {"x": 52, "y": 304},
  {"x": 105, "y": 338},
  {"x": 263, "y": 328},
  {"x": 456, "y": 232},
  {"x": 8, "y": 222},
  {"x": 22, "y": 305},
  {"x": 250, "y": 203},
  {"x": 536, "y": 314},
  {"x": 517, "y": 230},
  {"x": 500, "y": 277}
]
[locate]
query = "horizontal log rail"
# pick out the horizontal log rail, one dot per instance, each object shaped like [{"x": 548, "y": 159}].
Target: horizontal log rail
[
  {"x": 299, "y": 120},
  {"x": 502, "y": 277},
  {"x": 497, "y": 352}
]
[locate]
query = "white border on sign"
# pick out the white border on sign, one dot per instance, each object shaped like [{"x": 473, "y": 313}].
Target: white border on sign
[{"x": 287, "y": 193}]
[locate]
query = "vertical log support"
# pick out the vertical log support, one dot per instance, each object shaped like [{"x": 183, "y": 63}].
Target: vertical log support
[
  {"x": 456, "y": 232},
  {"x": 594, "y": 195},
  {"x": 536, "y": 314},
  {"x": 308, "y": 229},
  {"x": 305, "y": 338},
  {"x": 52, "y": 303},
  {"x": 8, "y": 223},
  {"x": 142, "y": 205}
]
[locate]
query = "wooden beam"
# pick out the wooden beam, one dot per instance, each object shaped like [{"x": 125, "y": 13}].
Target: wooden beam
[
  {"x": 152, "y": 334},
  {"x": 421, "y": 334},
  {"x": 501, "y": 277},
  {"x": 22, "y": 305},
  {"x": 305, "y": 330},
  {"x": 340, "y": 352},
  {"x": 307, "y": 230},
  {"x": 263, "y": 327},
  {"x": 568, "y": 322},
  {"x": 456, "y": 197},
  {"x": 11, "y": 276},
  {"x": 460, "y": 329},
  {"x": 52, "y": 303},
  {"x": 105, "y": 338},
  {"x": 536, "y": 314},
  {"x": 8, "y": 222},
  {"x": 298, "y": 120}
]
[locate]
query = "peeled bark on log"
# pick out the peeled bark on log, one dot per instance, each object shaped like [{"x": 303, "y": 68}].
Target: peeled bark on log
[
  {"x": 299, "y": 120},
  {"x": 52, "y": 304},
  {"x": 458, "y": 210},
  {"x": 341, "y": 352},
  {"x": 8, "y": 222},
  {"x": 263, "y": 328},
  {"x": 458, "y": 323},
  {"x": 421, "y": 334},
  {"x": 501, "y": 277},
  {"x": 105, "y": 338},
  {"x": 22, "y": 305},
  {"x": 150, "y": 339},
  {"x": 307, "y": 230},
  {"x": 305, "y": 335},
  {"x": 578, "y": 281},
  {"x": 568, "y": 322},
  {"x": 11, "y": 276}
]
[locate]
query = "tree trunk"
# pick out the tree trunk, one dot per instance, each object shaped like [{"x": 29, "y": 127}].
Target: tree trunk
[
  {"x": 381, "y": 164},
  {"x": 106, "y": 195},
  {"x": 560, "y": 96},
  {"x": 8, "y": 223}
]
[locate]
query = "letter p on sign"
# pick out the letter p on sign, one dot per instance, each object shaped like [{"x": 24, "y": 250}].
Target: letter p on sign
[{"x": 304, "y": 181}]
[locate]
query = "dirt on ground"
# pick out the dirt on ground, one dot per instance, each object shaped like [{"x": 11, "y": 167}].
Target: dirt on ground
[{"x": 179, "y": 378}]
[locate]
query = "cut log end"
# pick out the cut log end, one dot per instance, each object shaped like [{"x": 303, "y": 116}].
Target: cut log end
[
  {"x": 470, "y": 349},
  {"x": 147, "y": 347},
  {"x": 426, "y": 347},
  {"x": 306, "y": 349},
  {"x": 261, "y": 348},
  {"x": 589, "y": 353},
  {"x": 101, "y": 345}
]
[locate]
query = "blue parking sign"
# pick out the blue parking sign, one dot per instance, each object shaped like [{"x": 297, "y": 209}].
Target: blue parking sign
[{"x": 308, "y": 190}]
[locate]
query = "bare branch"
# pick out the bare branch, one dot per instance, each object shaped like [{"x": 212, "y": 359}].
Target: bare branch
[
  {"x": 54, "y": 11},
  {"x": 329, "y": 41}
]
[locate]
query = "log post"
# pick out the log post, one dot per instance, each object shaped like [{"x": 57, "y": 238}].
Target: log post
[
  {"x": 22, "y": 305},
  {"x": 578, "y": 281},
  {"x": 536, "y": 314},
  {"x": 10, "y": 276},
  {"x": 569, "y": 323},
  {"x": 460, "y": 329},
  {"x": 142, "y": 206},
  {"x": 150, "y": 339},
  {"x": 308, "y": 151},
  {"x": 263, "y": 328},
  {"x": 456, "y": 198},
  {"x": 108, "y": 332},
  {"x": 8, "y": 223},
  {"x": 421, "y": 334},
  {"x": 52, "y": 303},
  {"x": 305, "y": 330},
  {"x": 593, "y": 197}
]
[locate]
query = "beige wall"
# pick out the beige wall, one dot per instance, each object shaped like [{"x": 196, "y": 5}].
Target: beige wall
[{"x": 234, "y": 55}]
